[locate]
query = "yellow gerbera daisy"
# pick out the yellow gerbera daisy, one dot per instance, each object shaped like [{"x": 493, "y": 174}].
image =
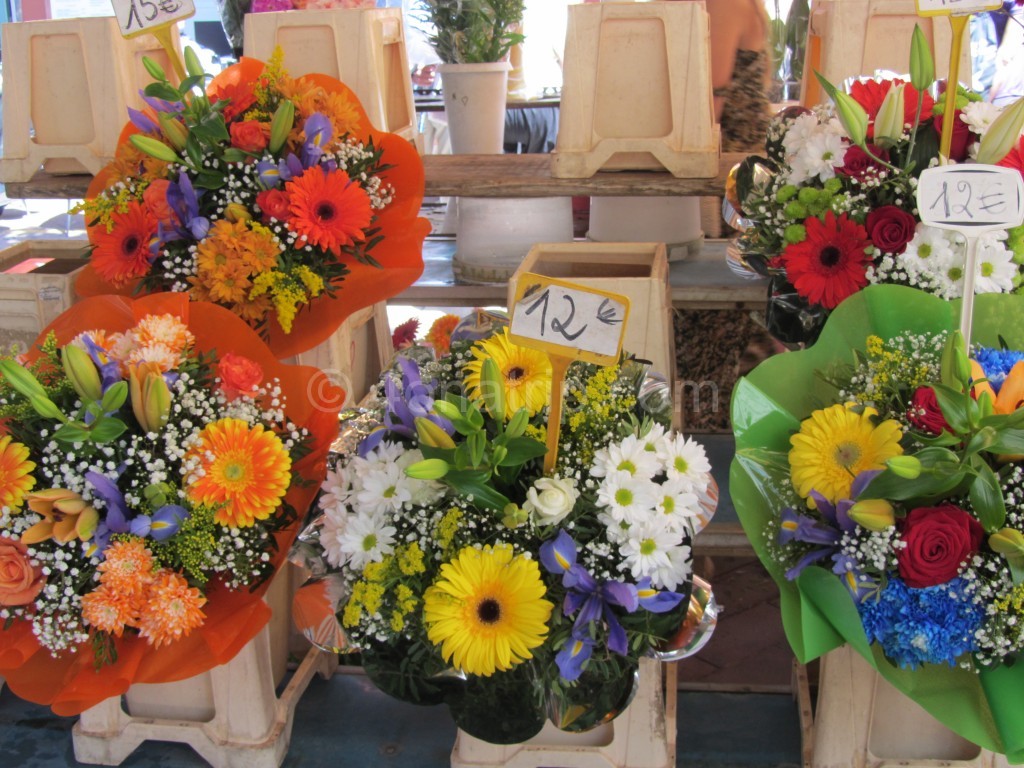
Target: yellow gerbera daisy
[
  {"x": 836, "y": 444},
  {"x": 487, "y": 610},
  {"x": 243, "y": 471},
  {"x": 15, "y": 473},
  {"x": 525, "y": 372}
]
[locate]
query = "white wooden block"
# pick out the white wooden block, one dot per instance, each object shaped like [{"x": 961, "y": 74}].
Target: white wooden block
[
  {"x": 636, "y": 270},
  {"x": 856, "y": 37},
  {"x": 643, "y": 736},
  {"x": 862, "y": 721},
  {"x": 637, "y": 91},
  {"x": 364, "y": 48},
  {"x": 71, "y": 82}
]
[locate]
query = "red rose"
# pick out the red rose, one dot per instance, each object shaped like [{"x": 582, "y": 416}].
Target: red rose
[
  {"x": 924, "y": 412},
  {"x": 238, "y": 375},
  {"x": 937, "y": 540},
  {"x": 249, "y": 136},
  {"x": 890, "y": 228},
  {"x": 962, "y": 137},
  {"x": 20, "y": 580},
  {"x": 857, "y": 163},
  {"x": 274, "y": 203},
  {"x": 870, "y": 94}
]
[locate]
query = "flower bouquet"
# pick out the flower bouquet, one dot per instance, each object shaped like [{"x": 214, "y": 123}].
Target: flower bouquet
[
  {"x": 879, "y": 476},
  {"x": 271, "y": 196},
  {"x": 156, "y": 462},
  {"x": 465, "y": 575},
  {"x": 832, "y": 207}
]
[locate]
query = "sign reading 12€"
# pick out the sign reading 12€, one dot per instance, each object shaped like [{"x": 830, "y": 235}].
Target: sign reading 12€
[
  {"x": 136, "y": 17},
  {"x": 957, "y": 7}
]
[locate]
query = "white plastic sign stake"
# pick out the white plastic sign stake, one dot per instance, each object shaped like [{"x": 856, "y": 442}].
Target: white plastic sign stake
[
  {"x": 569, "y": 322},
  {"x": 950, "y": 7},
  {"x": 970, "y": 199},
  {"x": 155, "y": 17}
]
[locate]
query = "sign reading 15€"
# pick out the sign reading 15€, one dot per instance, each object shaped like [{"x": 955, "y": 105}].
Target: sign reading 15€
[{"x": 135, "y": 17}]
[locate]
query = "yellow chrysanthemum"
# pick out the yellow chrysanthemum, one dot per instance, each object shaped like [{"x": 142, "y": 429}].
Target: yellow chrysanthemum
[
  {"x": 15, "y": 473},
  {"x": 836, "y": 444},
  {"x": 172, "y": 609},
  {"x": 526, "y": 373},
  {"x": 243, "y": 472},
  {"x": 487, "y": 610}
]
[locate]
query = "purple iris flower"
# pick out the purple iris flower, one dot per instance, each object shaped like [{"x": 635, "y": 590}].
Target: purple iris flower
[
  {"x": 162, "y": 105},
  {"x": 574, "y": 653},
  {"x": 164, "y": 523},
  {"x": 318, "y": 132},
  {"x": 655, "y": 600},
  {"x": 142, "y": 121},
  {"x": 414, "y": 400},
  {"x": 110, "y": 371},
  {"x": 184, "y": 201},
  {"x": 270, "y": 173},
  {"x": 116, "y": 518}
]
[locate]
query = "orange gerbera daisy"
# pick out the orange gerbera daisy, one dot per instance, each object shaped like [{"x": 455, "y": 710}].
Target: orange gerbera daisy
[
  {"x": 111, "y": 610},
  {"x": 440, "y": 334},
  {"x": 172, "y": 609},
  {"x": 328, "y": 208},
  {"x": 164, "y": 329},
  {"x": 244, "y": 471},
  {"x": 122, "y": 252},
  {"x": 15, "y": 473},
  {"x": 127, "y": 567}
]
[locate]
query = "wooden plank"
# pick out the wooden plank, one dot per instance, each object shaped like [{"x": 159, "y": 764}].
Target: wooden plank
[{"x": 478, "y": 176}]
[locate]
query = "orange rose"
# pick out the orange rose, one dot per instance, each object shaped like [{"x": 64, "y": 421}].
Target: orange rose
[
  {"x": 155, "y": 198},
  {"x": 238, "y": 375},
  {"x": 249, "y": 136},
  {"x": 20, "y": 581}
]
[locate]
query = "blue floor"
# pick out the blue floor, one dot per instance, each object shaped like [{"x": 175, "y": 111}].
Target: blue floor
[{"x": 345, "y": 722}]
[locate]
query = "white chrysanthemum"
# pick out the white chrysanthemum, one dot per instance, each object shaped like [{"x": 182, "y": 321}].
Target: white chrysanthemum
[
  {"x": 629, "y": 455},
  {"x": 335, "y": 489},
  {"x": 685, "y": 459},
  {"x": 819, "y": 158},
  {"x": 929, "y": 253},
  {"x": 385, "y": 453},
  {"x": 799, "y": 133},
  {"x": 366, "y": 539},
  {"x": 626, "y": 498},
  {"x": 331, "y": 533},
  {"x": 385, "y": 488},
  {"x": 678, "y": 504},
  {"x": 676, "y": 572},
  {"x": 979, "y": 116},
  {"x": 996, "y": 268},
  {"x": 615, "y": 530},
  {"x": 645, "y": 551},
  {"x": 422, "y": 492}
]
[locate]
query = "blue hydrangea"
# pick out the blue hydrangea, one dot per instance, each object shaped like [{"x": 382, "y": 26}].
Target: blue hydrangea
[
  {"x": 996, "y": 363},
  {"x": 934, "y": 625}
]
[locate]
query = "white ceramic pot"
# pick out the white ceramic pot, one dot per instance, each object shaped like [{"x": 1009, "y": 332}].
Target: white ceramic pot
[
  {"x": 674, "y": 221},
  {"x": 474, "y": 104}
]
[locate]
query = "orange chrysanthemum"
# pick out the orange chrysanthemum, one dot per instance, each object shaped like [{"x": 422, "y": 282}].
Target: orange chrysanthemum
[
  {"x": 440, "y": 334},
  {"x": 164, "y": 329},
  {"x": 122, "y": 252},
  {"x": 111, "y": 610},
  {"x": 16, "y": 478},
  {"x": 310, "y": 98},
  {"x": 153, "y": 357},
  {"x": 127, "y": 567},
  {"x": 132, "y": 163},
  {"x": 172, "y": 609},
  {"x": 244, "y": 471},
  {"x": 226, "y": 260},
  {"x": 328, "y": 208}
]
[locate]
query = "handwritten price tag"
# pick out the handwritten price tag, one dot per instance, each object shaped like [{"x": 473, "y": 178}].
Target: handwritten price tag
[
  {"x": 569, "y": 320},
  {"x": 136, "y": 17},
  {"x": 950, "y": 7},
  {"x": 971, "y": 198}
]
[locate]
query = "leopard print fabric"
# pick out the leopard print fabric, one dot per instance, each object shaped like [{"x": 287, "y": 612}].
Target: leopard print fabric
[{"x": 745, "y": 117}]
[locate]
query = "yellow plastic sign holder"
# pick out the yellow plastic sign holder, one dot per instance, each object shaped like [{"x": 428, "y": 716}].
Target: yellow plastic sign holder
[
  {"x": 164, "y": 14},
  {"x": 568, "y": 322}
]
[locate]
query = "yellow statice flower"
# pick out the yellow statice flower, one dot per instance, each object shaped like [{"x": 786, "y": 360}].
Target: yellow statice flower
[
  {"x": 313, "y": 283},
  {"x": 410, "y": 559},
  {"x": 448, "y": 527}
]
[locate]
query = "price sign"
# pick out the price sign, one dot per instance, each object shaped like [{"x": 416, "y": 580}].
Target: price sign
[
  {"x": 951, "y": 7},
  {"x": 570, "y": 322},
  {"x": 971, "y": 199},
  {"x": 137, "y": 17},
  {"x": 568, "y": 319}
]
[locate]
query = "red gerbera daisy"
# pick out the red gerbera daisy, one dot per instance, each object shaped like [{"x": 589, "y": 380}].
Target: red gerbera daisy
[
  {"x": 831, "y": 263},
  {"x": 870, "y": 94},
  {"x": 1015, "y": 157},
  {"x": 122, "y": 254},
  {"x": 328, "y": 208}
]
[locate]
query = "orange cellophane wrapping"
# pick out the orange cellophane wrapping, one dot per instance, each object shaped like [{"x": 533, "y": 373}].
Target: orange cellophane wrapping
[
  {"x": 400, "y": 254},
  {"x": 72, "y": 683}
]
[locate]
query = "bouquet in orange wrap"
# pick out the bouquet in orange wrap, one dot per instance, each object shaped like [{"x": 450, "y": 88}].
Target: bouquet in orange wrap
[
  {"x": 265, "y": 194},
  {"x": 155, "y": 463}
]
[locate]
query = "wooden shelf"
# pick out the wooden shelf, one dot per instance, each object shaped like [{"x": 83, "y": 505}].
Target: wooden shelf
[{"x": 477, "y": 176}]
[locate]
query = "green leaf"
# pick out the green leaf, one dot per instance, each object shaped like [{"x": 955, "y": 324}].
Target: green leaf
[
  {"x": 209, "y": 180},
  {"x": 462, "y": 458},
  {"x": 475, "y": 483},
  {"x": 987, "y": 497},
  {"x": 194, "y": 150},
  {"x": 214, "y": 125},
  {"x": 189, "y": 83},
  {"x": 941, "y": 472},
  {"x": 162, "y": 91},
  {"x": 106, "y": 430},
  {"x": 71, "y": 433},
  {"x": 1008, "y": 441},
  {"x": 981, "y": 441},
  {"x": 953, "y": 406},
  {"x": 234, "y": 155},
  {"x": 521, "y": 450},
  {"x": 477, "y": 442},
  {"x": 114, "y": 397}
]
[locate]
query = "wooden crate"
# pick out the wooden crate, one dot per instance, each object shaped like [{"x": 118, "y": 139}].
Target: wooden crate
[
  {"x": 862, "y": 721},
  {"x": 637, "y": 91},
  {"x": 636, "y": 270},
  {"x": 364, "y": 48},
  {"x": 855, "y": 37},
  {"x": 30, "y": 300},
  {"x": 644, "y": 736},
  {"x": 68, "y": 84}
]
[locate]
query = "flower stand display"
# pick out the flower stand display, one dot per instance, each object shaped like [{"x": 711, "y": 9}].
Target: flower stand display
[
  {"x": 862, "y": 720},
  {"x": 69, "y": 67},
  {"x": 627, "y": 103},
  {"x": 230, "y": 715},
  {"x": 364, "y": 47},
  {"x": 856, "y": 37},
  {"x": 644, "y": 736},
  {"x": 636, "y": 270},
  {"x": 36, "y": 284}
]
